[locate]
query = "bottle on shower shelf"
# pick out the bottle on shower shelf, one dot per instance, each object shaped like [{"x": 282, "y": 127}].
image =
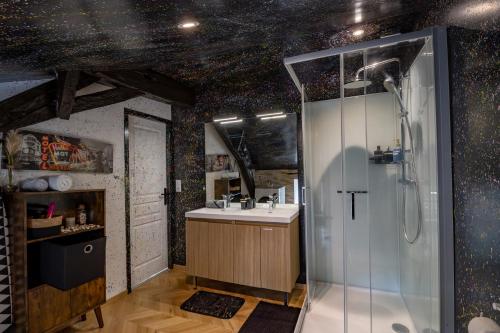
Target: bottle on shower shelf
[
  {"x": 388, "y": 155},
  {"x": 397, "y": 153}
]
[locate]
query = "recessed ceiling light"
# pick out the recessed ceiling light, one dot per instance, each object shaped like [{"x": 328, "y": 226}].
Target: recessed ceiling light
[
  {"x": 269, "y": 114},
  {"x": 225, "y": 119},
  {"x": 188, "y": 24},
  {"x": 274, "y": 117},
  {"x": 358, "y": 32},
  {"x": 231, "y": 121}
]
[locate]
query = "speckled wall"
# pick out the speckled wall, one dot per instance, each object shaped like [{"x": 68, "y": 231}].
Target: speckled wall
[
  {"x": 474, "y": 92},
  {"x": 475, "y": 106}
]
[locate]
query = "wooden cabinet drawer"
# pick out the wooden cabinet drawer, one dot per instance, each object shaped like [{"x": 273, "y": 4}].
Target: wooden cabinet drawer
[
  {"x": 247, "y": 255},
  {"x": 197, "y": 248},
  {"x": 274, "y": 254},
  {"x": 47, "y": 307},
  {"x": 87, "y": 296},
  {"x": 221, "y": 252}
]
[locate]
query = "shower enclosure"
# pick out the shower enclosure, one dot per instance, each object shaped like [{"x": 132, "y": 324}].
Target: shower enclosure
[{"x": 377, "y": 195}]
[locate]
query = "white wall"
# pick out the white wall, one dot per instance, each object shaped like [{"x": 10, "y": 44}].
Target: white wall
[
  {"x": 420, "y": 261},
  {"x": 105, "y": 124}
]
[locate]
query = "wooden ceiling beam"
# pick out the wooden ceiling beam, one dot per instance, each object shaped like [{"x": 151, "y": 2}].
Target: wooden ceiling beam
[
  {"x": 151, "y": 83},
  {"x": 82, "y": 103},
  {"x": 67, "y": 86},
  {"x": 104, "y": 98}
]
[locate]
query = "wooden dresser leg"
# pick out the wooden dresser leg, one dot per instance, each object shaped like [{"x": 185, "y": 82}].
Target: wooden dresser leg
[
  {"x": 98, "y": 315},
  {"x": 83, "y": 317}
]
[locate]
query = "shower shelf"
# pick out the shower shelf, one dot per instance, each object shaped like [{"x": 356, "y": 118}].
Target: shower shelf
[{"x": 372, "y": 161}]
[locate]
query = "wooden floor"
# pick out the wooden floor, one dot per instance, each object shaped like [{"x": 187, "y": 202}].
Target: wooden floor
[{"x": 155, "y": 307}]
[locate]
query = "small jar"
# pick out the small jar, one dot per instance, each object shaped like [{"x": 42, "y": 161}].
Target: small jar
[{"x": 81, "y": 215}]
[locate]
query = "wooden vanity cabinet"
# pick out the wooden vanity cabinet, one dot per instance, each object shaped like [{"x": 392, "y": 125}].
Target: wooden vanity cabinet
[{"x": 262, "y": 255}]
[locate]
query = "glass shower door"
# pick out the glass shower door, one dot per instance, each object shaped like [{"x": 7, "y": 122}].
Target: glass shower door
[{"x": 355, "y": 195}]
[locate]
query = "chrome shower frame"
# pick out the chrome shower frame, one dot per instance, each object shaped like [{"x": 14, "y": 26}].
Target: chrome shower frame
[{"x": 445, "y": 193}]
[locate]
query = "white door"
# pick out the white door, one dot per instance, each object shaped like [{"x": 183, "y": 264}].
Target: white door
[{"x": 148, "y": 219}]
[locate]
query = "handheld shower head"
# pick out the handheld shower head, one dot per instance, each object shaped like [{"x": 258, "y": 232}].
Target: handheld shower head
[{"x": 390, "y": 86}]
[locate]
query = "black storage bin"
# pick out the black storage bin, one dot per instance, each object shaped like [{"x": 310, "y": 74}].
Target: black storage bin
[{"x": 68, "y": 263}]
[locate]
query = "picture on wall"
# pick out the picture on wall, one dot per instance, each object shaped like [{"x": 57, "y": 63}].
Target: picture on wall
[
  {"x": 42, "y": 151},
  {"x": 217, "y": 163}
]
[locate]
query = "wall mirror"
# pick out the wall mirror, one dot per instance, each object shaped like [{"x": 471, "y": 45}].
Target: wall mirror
[{"x": 252, "y": 157}]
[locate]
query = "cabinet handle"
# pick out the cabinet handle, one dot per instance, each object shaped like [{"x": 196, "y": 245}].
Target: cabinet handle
[{"x": 267, "y": 229}]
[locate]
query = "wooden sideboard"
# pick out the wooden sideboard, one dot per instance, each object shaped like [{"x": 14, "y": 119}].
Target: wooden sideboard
[
  {"x": 39, "y": 307},
  {"x": 256, "y": 254}
]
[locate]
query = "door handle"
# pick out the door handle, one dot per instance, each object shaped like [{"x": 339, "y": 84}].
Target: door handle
[
  {"x": 353, "y": 201},
  {"x": 303, "y": 195},
  {"x": 164, "y": 195}
]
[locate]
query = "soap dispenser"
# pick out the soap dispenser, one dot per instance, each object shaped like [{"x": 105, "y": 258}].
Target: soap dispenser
[
  {"x": 388, "y": 155},
  {"x": 378, "y": 155},
  {"x": 397, "y": 153}
]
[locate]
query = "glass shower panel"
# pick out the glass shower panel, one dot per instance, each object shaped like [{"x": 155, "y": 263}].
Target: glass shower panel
[
  {"x": 355, "y": 199},
  {"x": 323, "y": 210},
  {"x": 382, "y": 128}
]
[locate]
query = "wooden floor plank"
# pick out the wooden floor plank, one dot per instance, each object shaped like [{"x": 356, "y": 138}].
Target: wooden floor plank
[{"x": 155, "y": 308}]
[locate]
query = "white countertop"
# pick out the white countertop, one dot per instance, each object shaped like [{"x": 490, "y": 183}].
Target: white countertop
[{"x": 280, "y": 214}]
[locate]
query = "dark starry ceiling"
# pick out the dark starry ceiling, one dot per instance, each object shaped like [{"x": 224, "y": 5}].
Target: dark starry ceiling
[{"x": 235, "y": 39}]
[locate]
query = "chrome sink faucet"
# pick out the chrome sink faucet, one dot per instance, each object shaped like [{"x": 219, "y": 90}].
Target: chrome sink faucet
[
  {"x": 272, "y": 202},
  {"x": 227, "y": 199}
]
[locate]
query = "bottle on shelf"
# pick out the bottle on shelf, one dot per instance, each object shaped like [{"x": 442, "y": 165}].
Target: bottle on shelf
[
  {"x": 388, "y": 155},
  {"x": 397, "y": 153}
]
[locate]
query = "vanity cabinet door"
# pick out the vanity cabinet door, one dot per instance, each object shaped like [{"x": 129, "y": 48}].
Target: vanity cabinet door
[
  {"x": 197, "y": 247},
  {"x": 221, "y": 258},
  {"x": 247, "y": 255},
  {"x": 275, "y": 257}
]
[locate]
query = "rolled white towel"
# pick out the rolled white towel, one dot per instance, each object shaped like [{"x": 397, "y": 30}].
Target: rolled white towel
[
  {"x": 35, "y": 185},
  {"x": 483, "y": 325},
  {"x": 60, "y": 183}
]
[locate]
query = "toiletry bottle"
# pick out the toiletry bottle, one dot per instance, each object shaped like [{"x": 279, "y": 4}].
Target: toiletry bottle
[
  {"x": 397, "y": 153},
  {"x": 388, "y": 155},
  {"x": 378, "y": 155}
]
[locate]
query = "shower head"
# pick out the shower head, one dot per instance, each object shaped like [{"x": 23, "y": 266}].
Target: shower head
[
  {"x": 357, "y": 84},
  {"x": 360, "y": 83},
  {"x": 390, "y": 86}
]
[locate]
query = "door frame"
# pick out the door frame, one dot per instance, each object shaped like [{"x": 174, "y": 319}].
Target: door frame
[{"x": 169, "y": 155}]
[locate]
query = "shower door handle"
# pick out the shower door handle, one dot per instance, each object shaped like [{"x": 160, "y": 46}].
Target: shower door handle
[{"x": 353, "y": 201}]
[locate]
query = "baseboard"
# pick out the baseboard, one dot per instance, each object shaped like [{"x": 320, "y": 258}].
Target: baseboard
[
  {"x": 181, "y": 268},
  {"x": 300, "y": 286}
]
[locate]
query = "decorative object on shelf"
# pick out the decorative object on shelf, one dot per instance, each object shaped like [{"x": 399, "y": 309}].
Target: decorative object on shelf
[
  {"x": 44, "y": 227},
  {"x": 60, "y": 183},
  {"x": 13, "y": 145},
  {"x": 34, "y": 185},
  {"x": 69, "y": 222},
  {"x": 41, "y": 151},
  {"x": 81, "y": 215},
  {"x": 79, "y": 228}
]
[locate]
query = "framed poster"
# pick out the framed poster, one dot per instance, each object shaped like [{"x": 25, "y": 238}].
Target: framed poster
[
  {"x": 42, "y": 151},
  {"x": 217, "y": 163}
]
